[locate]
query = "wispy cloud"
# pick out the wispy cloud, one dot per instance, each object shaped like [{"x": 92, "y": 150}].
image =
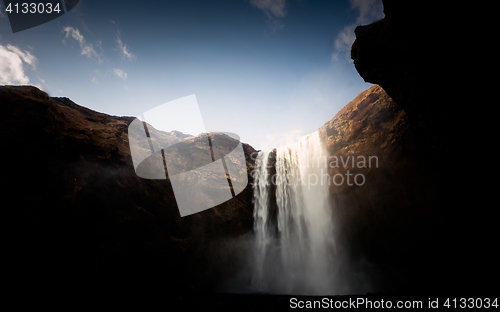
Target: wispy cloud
[
  {"x": 122, "y": 47},
  {"x": 124, "y": 51},
  {"x": 94, "y": 78},
  {"x": 120, "y": 73},
  {"x": 272, "y": 7},
  {"x": 369, "y": 11},
  {"x": 12, "y": 61},
  {"x": 87, "y": 49},
  {"x": 274, "y": 10}
]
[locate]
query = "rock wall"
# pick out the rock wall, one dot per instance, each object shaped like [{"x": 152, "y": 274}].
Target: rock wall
[
  {"x": 383, "y": 193},
  {"x": 412, "y": 54},
  {"x": 79, "y": 215}
]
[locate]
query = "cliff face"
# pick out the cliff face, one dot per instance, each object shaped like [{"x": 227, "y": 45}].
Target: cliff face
[
  {"x": 411, "y": 53},
  {"x": 77, "y": 210},
  {"x": 382, "y": 187},
  {"x": 408, "y": 55}
]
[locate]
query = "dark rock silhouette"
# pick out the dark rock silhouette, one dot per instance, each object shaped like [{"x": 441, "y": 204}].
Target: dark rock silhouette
[
  {"x": 79, "y": 215},
  {"x": 411, "y": 53},
  {"x": 399, "y": 53}
]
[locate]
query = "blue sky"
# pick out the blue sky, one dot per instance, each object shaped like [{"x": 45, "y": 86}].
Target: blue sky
[{"x": 263, "y": 69}]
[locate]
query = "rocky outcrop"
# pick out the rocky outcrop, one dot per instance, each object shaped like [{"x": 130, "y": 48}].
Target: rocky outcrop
[
  {"x": 382, "y": 188},
  {"x": 405, "y": 53},
  {"x": 411, "y": 53},
  {"x": 79, "y": 214}
]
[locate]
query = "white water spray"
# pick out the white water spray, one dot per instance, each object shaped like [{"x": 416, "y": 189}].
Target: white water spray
[{"x": 294, "y": 246}]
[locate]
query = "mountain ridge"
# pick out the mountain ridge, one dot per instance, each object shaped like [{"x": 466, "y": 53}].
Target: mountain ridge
[{"x": 70, "y": 172}]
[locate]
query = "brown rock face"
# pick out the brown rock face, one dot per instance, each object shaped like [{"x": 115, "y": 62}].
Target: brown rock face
[
  {"x": 411, "y": 53},
  {"x": 384, "y": 196},
  {"x": 78, "y": 213}
]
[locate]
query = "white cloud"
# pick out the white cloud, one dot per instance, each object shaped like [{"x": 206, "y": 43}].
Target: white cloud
[
  {"x": 273, "y": 9},
  {"x": 94, "y": 78},
  {"x": 87, "y": 48},
  {"x": 120, "y": 73},
  {"x": 369, "y": 11},
  {"x": 344, "y": 40},
  {"x": 123, "y": 49},
  {"x": 12, "y": 60}
]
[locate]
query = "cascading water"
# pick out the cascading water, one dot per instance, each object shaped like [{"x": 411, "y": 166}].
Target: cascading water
[{"x": 294, "y": 244}]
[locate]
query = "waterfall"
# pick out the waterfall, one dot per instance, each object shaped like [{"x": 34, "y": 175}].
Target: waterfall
[{"x": 294, "y": 244}]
